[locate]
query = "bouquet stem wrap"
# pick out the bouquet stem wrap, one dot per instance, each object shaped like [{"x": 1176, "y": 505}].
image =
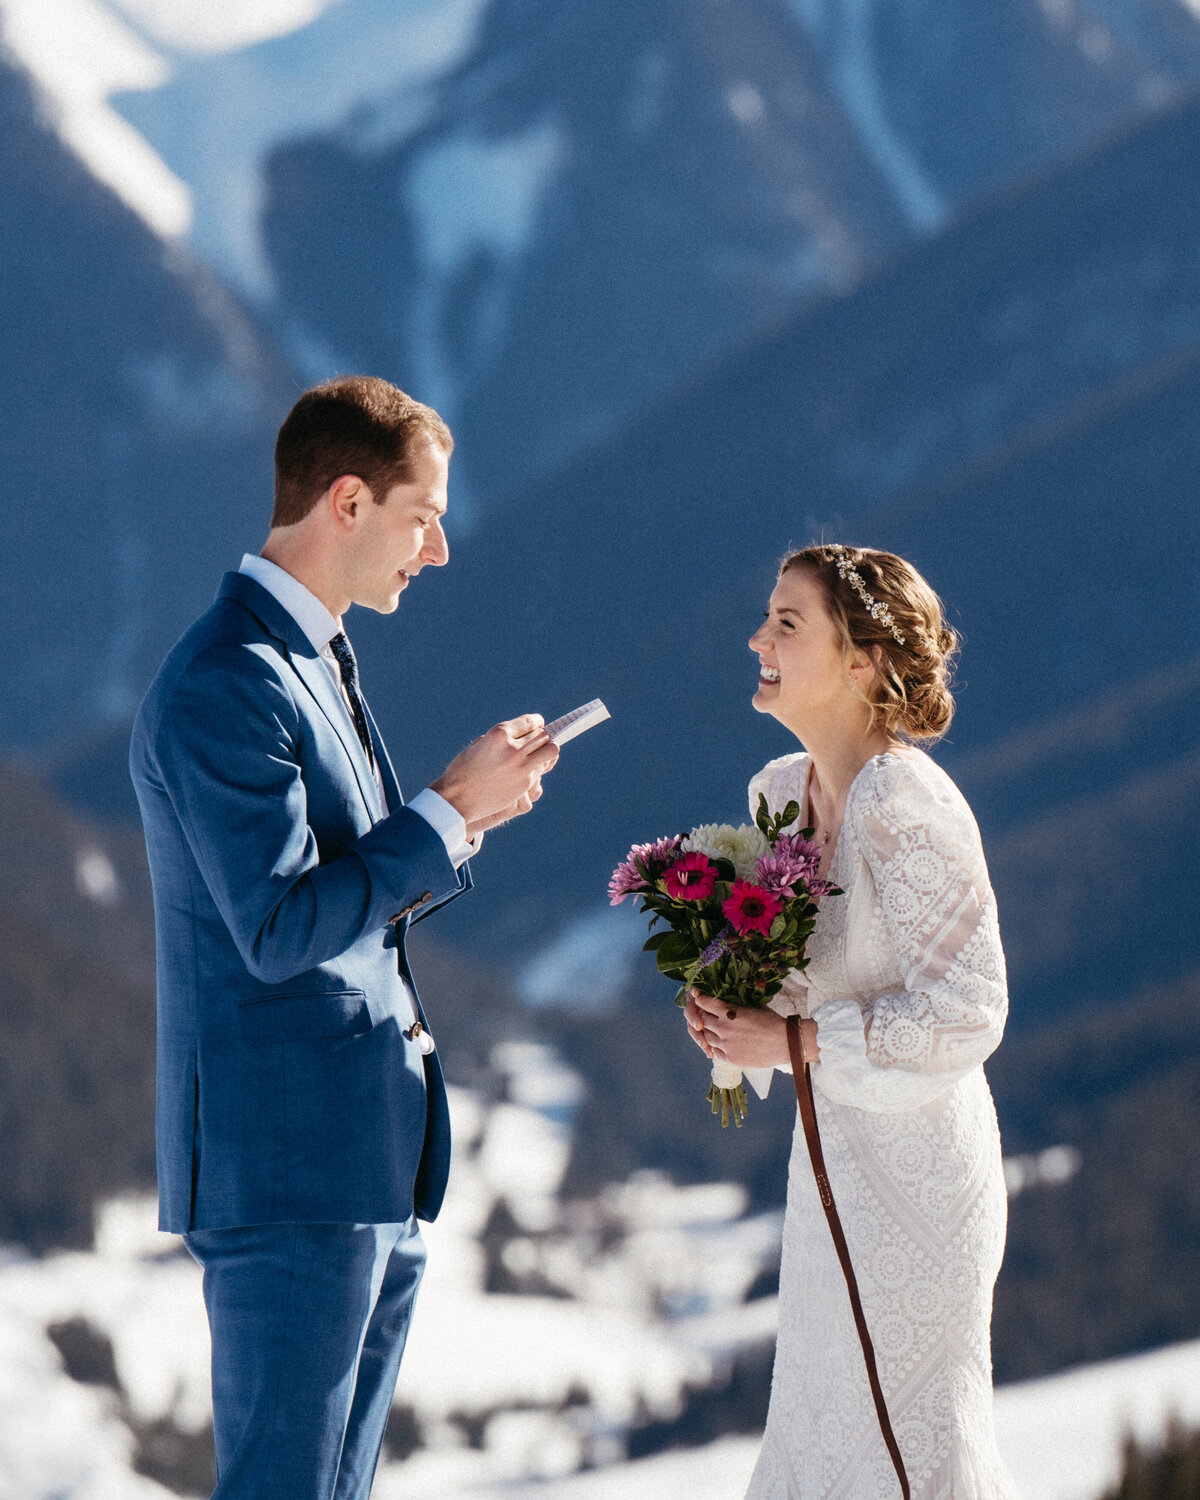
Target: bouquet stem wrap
[{"x": 728, "y": 1093}]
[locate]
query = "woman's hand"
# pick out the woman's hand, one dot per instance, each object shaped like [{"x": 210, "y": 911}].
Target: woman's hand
[
  {"x": 695, "y": 1023},
  {"x": 745, "y": 1038}
]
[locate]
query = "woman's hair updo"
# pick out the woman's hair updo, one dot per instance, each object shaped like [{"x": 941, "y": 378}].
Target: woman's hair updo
[{"x": 907, "y": 636}]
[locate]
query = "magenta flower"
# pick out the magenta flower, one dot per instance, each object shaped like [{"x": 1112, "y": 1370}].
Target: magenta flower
[
  {"x": 625, "y": 881},
  {"x": 628, "y": 880},
  {"x": 751, "y": 908},
  {"x": 660, "y": 853},
  {"x": 780, "y": 873},
  {"x": 793, "y": 862},
  {"x": 800, "y": 849},
  {"x": 690, "y": 878}
]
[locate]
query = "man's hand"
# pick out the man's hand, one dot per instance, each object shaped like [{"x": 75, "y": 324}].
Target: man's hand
[
  {"x": 506, "y": 814},
  {"x": 499, "y": 775}
]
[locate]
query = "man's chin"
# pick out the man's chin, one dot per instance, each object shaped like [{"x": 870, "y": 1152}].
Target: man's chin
[{"x": 387, "y": 603}]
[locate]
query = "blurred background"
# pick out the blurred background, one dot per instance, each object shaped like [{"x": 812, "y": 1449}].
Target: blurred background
[{"x": 692, "y": 282}]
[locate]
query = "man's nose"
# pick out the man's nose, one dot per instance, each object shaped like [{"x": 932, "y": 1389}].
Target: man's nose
[{"x": 436, "y": 550}]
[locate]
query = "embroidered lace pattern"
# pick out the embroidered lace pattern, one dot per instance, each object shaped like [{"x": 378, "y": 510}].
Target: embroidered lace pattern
[{"x": 907, "y": 985}]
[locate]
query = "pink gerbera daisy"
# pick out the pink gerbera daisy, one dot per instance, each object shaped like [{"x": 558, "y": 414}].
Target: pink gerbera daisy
[
  {"x": 690, "y": 878},
  {"x": 751, "y": 908}
]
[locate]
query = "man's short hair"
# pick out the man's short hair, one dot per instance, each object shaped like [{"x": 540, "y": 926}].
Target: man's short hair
[{"x": 355, "y": 425}]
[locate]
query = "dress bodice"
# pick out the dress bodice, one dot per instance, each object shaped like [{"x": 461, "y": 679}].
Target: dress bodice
[{"x": 906, "y": 975}]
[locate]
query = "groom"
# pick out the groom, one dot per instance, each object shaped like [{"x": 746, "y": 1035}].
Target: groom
[{"x": 302, "y": 1120}]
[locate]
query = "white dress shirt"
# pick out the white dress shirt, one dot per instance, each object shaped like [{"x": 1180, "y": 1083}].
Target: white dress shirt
[{"x": 320, "y": 627}]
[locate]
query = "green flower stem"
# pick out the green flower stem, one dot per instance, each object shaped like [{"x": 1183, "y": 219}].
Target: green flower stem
[{"x": 728, "y": 1101}]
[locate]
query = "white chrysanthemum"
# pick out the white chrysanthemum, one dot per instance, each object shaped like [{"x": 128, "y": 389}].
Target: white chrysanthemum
[{"x": 741, "y": 846}]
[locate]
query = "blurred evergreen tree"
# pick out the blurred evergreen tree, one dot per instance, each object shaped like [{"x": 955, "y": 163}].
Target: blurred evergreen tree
[{"x": 1169, "y": 1472}]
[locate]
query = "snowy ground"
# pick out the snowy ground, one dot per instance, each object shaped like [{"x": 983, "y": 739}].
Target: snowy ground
[{"x": 615, "y": 1309}]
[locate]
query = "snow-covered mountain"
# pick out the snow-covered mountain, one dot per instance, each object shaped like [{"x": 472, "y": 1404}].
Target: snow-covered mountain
[
  {"x": 104, "y": 1362},
  {"x": 540, "y": 216},
  {"x": 597, "y": 203}
]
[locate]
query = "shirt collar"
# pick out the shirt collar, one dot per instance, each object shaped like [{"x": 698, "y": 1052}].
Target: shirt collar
[{"x": 302, "y": 604}]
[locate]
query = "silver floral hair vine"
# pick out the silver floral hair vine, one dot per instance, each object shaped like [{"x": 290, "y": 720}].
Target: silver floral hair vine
[{"x": 878, "y": 612}]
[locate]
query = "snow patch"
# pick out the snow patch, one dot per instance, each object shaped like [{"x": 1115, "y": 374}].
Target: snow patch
[
  {"x": 589, "y": 963},
  {"x": 472, "y": 192},
  {"x": 1052, "y": 1167},
  {"x": 185, "y": 26},
  {"x": 176, "y": 106},
  {"x": 1061, "y": 1437},
  {"x": 843, "y": 31},
  {"x": 474, "y": 200},
  {"x": 745, "y": 103},
  {"x": 79, "y": 55},
  {"x": 95, "y": 877},
  {"x": 547, "y": 1381}
]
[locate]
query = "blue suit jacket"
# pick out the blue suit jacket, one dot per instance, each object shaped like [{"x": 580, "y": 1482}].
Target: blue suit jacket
[{"x": 287, "y": 1090}]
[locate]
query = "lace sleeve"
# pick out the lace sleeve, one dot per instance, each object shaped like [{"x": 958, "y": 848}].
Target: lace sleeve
[
  {"x": 935, "y": 902},
  {"x": 779, "y": 781}
]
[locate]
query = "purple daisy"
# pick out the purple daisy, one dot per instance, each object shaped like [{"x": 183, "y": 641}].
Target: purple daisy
[
  {"x": 628, "y": 880},
  {"x": 792, "y": 862}
]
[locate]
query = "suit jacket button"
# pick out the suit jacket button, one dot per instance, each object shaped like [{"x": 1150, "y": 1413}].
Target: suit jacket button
[{"x": 421, "y": 900}]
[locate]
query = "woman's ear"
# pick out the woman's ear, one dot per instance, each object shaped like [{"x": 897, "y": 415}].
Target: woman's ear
[{"x": 863, "y": 663}]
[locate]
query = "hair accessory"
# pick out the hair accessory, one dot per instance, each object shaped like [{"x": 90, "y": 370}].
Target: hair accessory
[{"x": 878, "y": 612}]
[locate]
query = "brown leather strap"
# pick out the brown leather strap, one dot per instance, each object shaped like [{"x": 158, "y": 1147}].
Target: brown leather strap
[{"x": 808, "y": 1115}]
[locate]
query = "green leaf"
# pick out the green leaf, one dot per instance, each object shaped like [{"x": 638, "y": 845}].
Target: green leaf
[
  {"x": 789, "y": 815},
  {"x": 675, "y": 950}
]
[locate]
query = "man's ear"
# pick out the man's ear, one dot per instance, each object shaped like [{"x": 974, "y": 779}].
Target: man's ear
[{"x": 345, "y": 499}]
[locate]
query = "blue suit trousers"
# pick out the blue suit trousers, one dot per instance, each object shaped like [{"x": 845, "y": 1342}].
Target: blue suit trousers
[{"x": 308, "y": 1325}]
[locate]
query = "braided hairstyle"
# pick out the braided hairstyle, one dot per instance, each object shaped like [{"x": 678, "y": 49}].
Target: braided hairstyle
[{"x": 909, "y": 691}]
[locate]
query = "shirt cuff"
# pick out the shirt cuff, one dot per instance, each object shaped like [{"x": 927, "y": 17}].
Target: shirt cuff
[{"x": 446, "y": 822}]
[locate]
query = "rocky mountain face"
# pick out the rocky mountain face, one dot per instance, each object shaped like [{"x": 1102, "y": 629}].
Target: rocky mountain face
[
  {"x": 592, "y": 205},
  {"x": 139, "y": 405}
]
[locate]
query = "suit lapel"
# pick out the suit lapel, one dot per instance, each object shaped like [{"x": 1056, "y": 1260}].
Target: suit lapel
[
  {"x": 391, "y": 787},
  {"x": 313, "y": 672}
]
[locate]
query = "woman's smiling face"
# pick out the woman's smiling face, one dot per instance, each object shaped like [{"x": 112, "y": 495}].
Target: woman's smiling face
[{"x": 801, "y": 668}]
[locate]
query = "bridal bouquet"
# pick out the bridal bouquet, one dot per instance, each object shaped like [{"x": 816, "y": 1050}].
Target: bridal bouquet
[{"x": 739, "y": 905}]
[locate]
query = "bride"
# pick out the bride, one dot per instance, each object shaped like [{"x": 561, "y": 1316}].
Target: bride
[{"x": 902, "y": 1001}]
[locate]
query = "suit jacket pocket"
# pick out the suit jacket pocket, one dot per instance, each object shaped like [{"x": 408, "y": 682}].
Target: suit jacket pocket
[{"x": 304, "y": 1017}]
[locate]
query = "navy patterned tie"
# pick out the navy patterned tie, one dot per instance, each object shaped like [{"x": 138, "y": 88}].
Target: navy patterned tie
[{"x": 348, "y": 667}]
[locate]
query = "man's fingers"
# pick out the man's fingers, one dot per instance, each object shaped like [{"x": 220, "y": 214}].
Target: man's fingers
[
  {"x": 524, "y": 727},
  {"x": 708, "y": 1005}
]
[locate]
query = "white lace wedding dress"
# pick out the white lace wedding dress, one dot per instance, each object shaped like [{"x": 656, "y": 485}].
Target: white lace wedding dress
[{"x": 907, "y": 986}]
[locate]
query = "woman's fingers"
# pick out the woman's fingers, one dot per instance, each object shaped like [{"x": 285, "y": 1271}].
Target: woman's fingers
[{"x": 696, "y": 1030}]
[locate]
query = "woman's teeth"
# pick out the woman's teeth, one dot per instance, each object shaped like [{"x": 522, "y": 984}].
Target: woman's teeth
[{"x": 768, "y": 674}]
